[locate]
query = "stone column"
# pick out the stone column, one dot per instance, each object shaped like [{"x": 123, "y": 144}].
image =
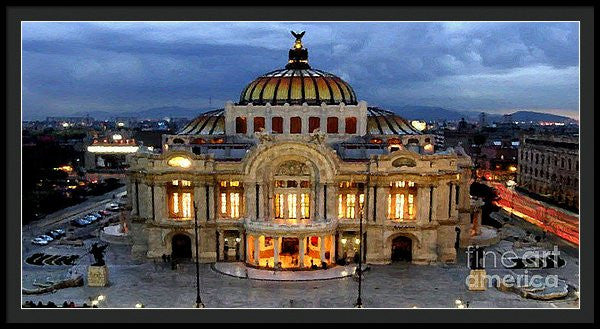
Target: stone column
[
  {"x": 382, "y": 203},
  {"x": 249, "y": 200},
  {"x": 160, "y": 202},
  {"x": 256, "y": 250},
  {"x": 332, "y": 249},
  {"x": 322, "y": 247},
  {"x": 422, "y": 199},
  {"x": 211, "y": 202},
  {"x": 302, "y": 247},
  {"x": 199, "y": 198},
  {"x": 319, "y": 208},
  {"x": 276, "y": 240},
  {"x": 247, "y": 249},
  {"x": 221, "y": 245},
  {"x": 331, "y": 201}
]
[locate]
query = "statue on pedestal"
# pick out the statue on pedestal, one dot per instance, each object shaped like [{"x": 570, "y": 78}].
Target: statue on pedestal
[
  {"x": 98, "y": 252},
  {"x": 98, "y": 271}
]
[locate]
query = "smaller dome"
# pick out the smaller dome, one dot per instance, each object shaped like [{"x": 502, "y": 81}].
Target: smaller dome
[
  {"x": 207, "y": 123},
  {"x": 384, "y": 122}
]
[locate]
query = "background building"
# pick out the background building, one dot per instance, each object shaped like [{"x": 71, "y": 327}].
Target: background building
[{"x": 549, "y": 167}]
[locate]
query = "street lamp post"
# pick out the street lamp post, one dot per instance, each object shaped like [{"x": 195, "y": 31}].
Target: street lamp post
[
  {"x": 199, "y": 303},
  {"x": 360, "y": 254}
]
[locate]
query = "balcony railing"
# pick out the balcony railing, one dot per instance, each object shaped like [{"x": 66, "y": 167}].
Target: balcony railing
[{"x": 291, "y": 225}]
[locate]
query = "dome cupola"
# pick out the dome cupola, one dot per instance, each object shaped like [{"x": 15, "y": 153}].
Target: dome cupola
[{"x": 298, "y": 83}]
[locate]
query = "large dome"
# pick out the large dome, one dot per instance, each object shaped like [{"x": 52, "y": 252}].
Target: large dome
[{"x": 297, "y": 84}]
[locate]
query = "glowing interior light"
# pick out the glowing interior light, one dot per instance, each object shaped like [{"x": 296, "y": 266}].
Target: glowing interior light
[
  {"x": 419, "y": 125},
  {"x": 344, "y": 240},
  {"x": 117, "y": 137},
  {"x": 112, "y": 149},
  {"x": 179, "y": 161}
]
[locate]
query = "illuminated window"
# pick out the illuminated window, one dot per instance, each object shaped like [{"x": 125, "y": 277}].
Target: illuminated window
[
  {"x": 231, "y": 199},
  {"x": 349, "y": 193},
  {"x": 305, "y": 205},
  {"x": 350, "y": 204},
  {"x": 291, "y": 204},
  {"x": 180, "y": 162},
  {"x": 223, "y": 203},
  {"x": 235, "y": 205},
  {"x": 401, "y": 201},
  {"x": 279, "y": 205},
  {"x": 180, "y": 196}
]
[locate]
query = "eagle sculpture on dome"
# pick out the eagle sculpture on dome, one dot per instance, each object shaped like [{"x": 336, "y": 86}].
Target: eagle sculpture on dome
[{"x": 297, "y": 35}]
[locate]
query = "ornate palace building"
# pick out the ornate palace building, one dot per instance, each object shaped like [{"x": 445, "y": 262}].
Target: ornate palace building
[{"x": 283, "y": 177}]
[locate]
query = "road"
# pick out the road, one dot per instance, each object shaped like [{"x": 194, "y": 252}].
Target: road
[{"x": 62, "y": 218}]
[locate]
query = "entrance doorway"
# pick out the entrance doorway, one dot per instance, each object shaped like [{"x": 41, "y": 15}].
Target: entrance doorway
[
  {"x": 401, "y": 249},
  {"x": 290, "y": 250},
  {"x": 181, "y": 246}
]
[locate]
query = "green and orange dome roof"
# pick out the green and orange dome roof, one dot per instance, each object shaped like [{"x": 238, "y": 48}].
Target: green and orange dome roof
[{"x": 297, "y": 84}]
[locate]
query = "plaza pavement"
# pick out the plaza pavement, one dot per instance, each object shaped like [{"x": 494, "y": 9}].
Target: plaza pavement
[{"x": 399, "y": 285}]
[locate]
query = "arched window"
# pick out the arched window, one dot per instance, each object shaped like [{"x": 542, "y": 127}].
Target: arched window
[
  {"x": 332, "y": 125},
  {"x": 198, "y": 141},
  {"x": 295, "y": 125},
  {"x": 240, "y": 125},
  {"x": 314, "y": 123},
  {"x": 178, "y": 141},
  {"x": 350, "y": 125},
  {"x": 277, "y": 125},
  {"x": 259, "y": 124}
]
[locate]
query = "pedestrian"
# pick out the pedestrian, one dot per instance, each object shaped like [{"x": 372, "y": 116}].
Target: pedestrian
[
  {"x": 65, "y": 304},
  {"x": 39, "y": 304},
  {"x": 72, "y": 304},
  {"x": 164, "y": 258}
]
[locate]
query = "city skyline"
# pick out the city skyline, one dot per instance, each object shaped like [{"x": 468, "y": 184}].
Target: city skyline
[{"x": 70, "y": 67}]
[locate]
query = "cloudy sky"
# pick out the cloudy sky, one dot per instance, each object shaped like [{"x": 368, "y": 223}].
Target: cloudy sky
[{"x": 110, "y": 66}]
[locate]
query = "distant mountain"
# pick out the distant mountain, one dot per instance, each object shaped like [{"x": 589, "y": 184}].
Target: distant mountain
[
  {"x": 429, "y": 113},
  {"x": 432, "y": 113},
  {"x": 152, "y": 113},
  {"x": 529, "y": 116}
]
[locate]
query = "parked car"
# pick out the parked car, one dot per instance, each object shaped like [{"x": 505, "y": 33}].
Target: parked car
[
  {"x": 46, "y": 237},
  {"x": 38, "y": 241},
  {"x": 113, "y": 207},
  {"x": 56, "y": 234},
  {"x": 80, "y": 222},
  {"x": 61, "y": 231}
]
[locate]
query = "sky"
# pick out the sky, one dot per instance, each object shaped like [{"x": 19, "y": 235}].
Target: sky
[{"x": 497, "y": 67}]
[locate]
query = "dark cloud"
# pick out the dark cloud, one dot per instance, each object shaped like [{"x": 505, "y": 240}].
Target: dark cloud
[{"x": 71, "y": 67}]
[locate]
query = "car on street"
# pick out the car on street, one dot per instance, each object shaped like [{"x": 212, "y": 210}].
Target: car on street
[
  {"x": 46, "y": 237},
  {"x": 57, "y": 233},
  {"x": 80, "y": 222},
  {"x": 40, "y": 242},
  {"x": 113, "y": 207},
  {"x": 104, "y": 212}
]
